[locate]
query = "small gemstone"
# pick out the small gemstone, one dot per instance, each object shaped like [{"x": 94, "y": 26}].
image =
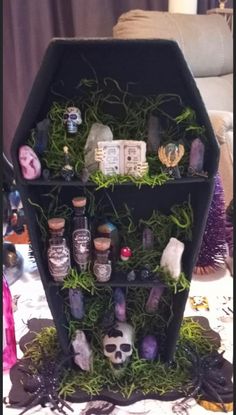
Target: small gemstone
[{"x": 131, "y": 276}]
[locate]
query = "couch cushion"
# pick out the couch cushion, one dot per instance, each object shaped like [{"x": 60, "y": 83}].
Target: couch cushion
[
  {"x": 205, "y": 40},
  {"x": 226, "y": 168},
  {"x": 222, "y": 123},
  {"x": 217, "y": 92}
]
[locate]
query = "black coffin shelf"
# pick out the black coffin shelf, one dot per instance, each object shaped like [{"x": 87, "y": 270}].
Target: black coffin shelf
[{"x": 153, "y": 67}]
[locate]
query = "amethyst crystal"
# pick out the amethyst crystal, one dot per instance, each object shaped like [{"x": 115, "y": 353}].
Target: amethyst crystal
[
  {"x": 145, "y": 273},
  {"x": 153, "y": 299},
  {"x": 213, "y": 250},
  {"x": 149, "y": 347},
  {"x": 148, "y": 239},
  {"x": 83, "y": 352},
  {"x": 154, "y": 134},
  {"x": 42, "y": 136},
  {"x": 46, "y": 174},
  {"x": 196, "y": 157},
  {"x": 76, "y": 300},
  {"x": 120, "y": 304},
  {"x": 131, "y": 276}
]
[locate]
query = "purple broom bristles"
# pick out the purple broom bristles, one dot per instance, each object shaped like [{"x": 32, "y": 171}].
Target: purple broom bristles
[{"x": 213, "y": 250}]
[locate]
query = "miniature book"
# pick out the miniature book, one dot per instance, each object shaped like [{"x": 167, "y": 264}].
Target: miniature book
[{"x": 127, "y": 157}]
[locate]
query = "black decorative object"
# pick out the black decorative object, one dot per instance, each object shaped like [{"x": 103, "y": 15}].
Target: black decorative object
[
  {"x": 150, "y": 67},
  {"x": 67, "y": 171},
  {"x": 207, "y": 380},
  {"x": 41, "y": 136},
  {"x": 43, "y": 385}
]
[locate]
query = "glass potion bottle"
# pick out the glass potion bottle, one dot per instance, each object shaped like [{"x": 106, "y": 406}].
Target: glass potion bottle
[
  {"x": 102, "y": 264},
  {"x": 81, "y": 236},
  {"x": 58, "y": 252}
]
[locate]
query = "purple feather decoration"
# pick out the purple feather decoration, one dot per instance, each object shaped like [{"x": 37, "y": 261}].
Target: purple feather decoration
[
  {"x": 214, "y": 249},
  {"x": 120, "y": 304}
]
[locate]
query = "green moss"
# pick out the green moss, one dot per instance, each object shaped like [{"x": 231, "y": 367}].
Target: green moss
[
  {"x": 104, "y": 181},
  {"x": 139, "y": 374},
  {"x": 47, "y": 341},
  {"x": 193, "y": 333},
  {"x": 51, "y": 208},
  {"x": 107, "y": 102},
  {"x": 84, "y": 280}
]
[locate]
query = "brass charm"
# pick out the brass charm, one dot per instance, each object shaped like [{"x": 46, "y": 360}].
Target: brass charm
[{"x": 170, "y": 155}]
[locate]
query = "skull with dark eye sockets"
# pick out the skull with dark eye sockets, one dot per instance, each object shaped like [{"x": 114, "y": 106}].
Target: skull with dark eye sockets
[
  {"x": 72, "y": 118},
  {"x": 118, "y": 343}
]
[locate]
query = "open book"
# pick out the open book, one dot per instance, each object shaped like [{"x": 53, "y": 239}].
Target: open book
[{"x": 126, "y": 157}]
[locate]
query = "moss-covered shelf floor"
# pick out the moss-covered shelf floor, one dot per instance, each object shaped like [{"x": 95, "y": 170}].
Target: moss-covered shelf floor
[{"x": 170, "y": 383}]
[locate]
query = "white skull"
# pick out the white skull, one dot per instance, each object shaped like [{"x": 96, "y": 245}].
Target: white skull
[
  {"x": 72, "y": 118},
  {"x": 118, "y": 343}
]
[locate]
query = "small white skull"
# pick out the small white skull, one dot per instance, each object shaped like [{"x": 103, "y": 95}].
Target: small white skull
[
  {"x": 72, "y": 118},
  {"x": 118, "y": 343}
]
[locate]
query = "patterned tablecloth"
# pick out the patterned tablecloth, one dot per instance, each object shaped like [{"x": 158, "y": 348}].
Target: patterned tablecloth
[{"x": 31, "y": 303}]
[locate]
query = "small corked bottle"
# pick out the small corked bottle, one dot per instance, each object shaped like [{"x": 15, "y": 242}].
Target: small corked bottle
[
  {"x": 58, "y": 252},
  {"x": 102, "y": 264},
  {"x": 81, "y": 236}
]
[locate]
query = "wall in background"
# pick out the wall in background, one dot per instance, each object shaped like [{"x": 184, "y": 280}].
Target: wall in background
[{"x": 28, "y": 26}]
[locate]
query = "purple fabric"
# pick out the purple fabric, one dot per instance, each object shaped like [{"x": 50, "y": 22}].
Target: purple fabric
[{"x": 29, "y": 25}]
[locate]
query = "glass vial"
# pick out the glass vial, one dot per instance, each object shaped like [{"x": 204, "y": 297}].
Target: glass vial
[
  {"x": 102, "y": 264},
  {"x": 81, "y": 236},
  {"x": 58, "y": 252}
]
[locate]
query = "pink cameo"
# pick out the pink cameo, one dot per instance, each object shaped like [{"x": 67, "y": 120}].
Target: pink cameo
[{"x": 29, "y": 162}]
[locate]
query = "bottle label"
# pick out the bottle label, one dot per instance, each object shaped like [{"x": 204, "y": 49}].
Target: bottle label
[
  {"x": 81, "y": 246},
  {"x": 58, "y": 261},
  {"x": 102, "y": 271}
]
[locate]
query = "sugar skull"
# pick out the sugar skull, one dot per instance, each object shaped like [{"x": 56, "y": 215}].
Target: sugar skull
[
  {"x": 118, "y": 343},
  {"x": 72, "y": 118}
]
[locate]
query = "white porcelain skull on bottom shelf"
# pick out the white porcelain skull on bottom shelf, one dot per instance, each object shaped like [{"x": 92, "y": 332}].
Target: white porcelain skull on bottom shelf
[{"x": 118, "y": 343}]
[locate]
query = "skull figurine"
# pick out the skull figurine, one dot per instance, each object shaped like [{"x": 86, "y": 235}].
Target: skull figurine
[
  {"x": 118, "y": 343},
  {"x": 72, "y": 118}
]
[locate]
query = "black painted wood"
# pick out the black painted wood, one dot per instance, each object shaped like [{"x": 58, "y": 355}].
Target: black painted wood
[{"x": 154, "y": 67}]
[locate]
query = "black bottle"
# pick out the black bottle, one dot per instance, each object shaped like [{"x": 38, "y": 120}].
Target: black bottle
[{"x": 81, "y": 236}]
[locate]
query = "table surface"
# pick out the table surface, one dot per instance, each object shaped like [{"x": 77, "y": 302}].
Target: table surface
[{"x": 218, "y": 288}]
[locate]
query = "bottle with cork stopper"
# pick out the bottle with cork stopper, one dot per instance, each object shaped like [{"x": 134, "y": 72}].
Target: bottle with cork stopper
[
  {"x": 58, "y": 252},
  {"x": 81, "y": 236},
  {"x": 102, "y": 265}
]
